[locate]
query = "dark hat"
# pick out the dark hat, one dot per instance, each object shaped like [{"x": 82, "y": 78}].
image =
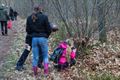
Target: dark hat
[{"x": 54, "y": 27}]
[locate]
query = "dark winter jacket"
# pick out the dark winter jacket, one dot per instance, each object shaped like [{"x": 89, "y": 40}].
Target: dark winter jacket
[
  {"x": 15, "y": 13},
  {"x": 11, "y": 12},
  {"x": 3, "y": 14},
  {"x": 39, "y": 28},
  {"x": 28, "y": 39}
]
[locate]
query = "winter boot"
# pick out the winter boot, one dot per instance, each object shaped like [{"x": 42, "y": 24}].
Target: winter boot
[
  {"x": 35, "y": 69},
  {"x": 46, "y": 69}
]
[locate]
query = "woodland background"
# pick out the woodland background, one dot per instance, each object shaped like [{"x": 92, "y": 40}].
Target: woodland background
[{"x": 93, "y": 24}]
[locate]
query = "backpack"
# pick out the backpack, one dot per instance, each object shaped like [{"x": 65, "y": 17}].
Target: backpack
[{"x": 55, "y": 56}]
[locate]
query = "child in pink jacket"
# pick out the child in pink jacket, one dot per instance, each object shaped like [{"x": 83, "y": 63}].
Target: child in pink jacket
[{"x": 63, "y": 61}]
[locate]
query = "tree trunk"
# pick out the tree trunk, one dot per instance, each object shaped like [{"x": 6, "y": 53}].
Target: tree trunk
[{"x": 101, "y": 21}]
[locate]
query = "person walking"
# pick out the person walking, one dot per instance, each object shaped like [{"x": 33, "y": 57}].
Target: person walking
[
  {"x": 3, "y": 20},
  {"x": 15, "y": 15},
  {"x": 11, "y": 14},
  {"x": 38, "y": 26}
]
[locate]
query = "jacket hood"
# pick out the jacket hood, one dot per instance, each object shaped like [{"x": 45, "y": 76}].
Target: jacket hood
[{"x": 63, "y": 45}]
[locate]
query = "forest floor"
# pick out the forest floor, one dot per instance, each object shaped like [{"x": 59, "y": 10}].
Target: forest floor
[{"x": 102, "y": 60}]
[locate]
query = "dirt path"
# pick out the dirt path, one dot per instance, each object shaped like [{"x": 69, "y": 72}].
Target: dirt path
[{"x": 6, "y": 42}]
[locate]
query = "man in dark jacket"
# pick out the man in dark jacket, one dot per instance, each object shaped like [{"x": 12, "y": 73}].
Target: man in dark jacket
[{"x": 3, "y": 20}]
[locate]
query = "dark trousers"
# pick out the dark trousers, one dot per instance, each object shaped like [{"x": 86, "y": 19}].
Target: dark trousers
[
  {"x": 60, "y": 67},
  {"x": 26, "y": 52},
  {"x": 4, "y": 29},
  {"x": 24, "y": 56},
  {"x": 65, "y": 65}
]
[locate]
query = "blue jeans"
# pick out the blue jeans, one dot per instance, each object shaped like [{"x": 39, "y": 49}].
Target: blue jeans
[{"x": 39, "y": 42}]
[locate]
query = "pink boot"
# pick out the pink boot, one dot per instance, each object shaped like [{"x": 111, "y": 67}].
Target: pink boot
[
  {"x": 46, "y": 69},
  {"x": 35, "y": 70}
]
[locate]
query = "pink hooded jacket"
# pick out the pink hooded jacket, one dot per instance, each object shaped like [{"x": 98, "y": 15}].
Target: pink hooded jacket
[{"x": 63, "y": 59}]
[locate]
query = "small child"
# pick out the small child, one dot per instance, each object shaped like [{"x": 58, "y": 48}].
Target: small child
[{"x": 67, "y": 58}]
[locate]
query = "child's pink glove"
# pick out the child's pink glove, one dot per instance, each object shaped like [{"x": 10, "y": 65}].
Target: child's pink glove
[{"x": 73, "y": 54}]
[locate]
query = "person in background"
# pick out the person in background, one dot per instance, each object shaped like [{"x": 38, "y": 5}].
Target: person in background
[
  {"x": 38, "y": 26},
  {"x": 3, "y": 20},
  {"x": 11, "y": 14},
  {"x": 15, "y": 15}
]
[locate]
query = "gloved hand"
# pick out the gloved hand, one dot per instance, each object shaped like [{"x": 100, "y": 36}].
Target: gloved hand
[{"x": 72, "y": 62}]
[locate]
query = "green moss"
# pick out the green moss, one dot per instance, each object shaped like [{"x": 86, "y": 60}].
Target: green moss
[{"x": 105, "y": 76}]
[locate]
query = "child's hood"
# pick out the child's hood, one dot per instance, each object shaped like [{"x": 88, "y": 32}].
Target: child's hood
[{"x": 63, "y": 45}]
